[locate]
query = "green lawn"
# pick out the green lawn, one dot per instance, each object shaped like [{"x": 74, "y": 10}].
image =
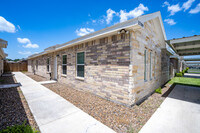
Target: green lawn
[
  {"x": 194, "y": 71},
  {"x": 185, "y": 81}
]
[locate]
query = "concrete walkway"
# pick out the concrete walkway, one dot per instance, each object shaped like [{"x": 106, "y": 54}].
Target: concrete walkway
[
  {"x": 192, "y": 75},
  {"x": 53, "y": 113},
  {"x": 179, "y": 113},
  {"x": 47, "y": 82}
]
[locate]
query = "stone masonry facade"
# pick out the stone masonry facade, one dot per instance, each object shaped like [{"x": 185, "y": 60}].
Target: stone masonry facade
[
  {"x": 141, "y": 40},
  {"x": 1, "y": 66},
  {"x": 114, "y": 65}
]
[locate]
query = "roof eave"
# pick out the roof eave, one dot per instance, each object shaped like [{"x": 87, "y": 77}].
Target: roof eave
[{"x": 131, "y": 26}]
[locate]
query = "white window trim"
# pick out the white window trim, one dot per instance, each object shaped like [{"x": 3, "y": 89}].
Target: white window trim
[
  {"x": 77, "y": 77},
  {"x": 145, "y": 64},
  {"x": 64, "y": 64},
  {"x": 155, "y": 65},
  {"x": 150, "y": 65}
]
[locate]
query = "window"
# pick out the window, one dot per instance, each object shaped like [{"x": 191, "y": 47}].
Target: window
[
  {"x": 64, "y": 64},
  {"x": 37, "y": 64},
  {"x": 48, "y": 64},
  {"x": 102, "y": 41},
  {"x": 123, "y": 36},
  {"x": 114, "y": 38},
  {"x": 145, "y": 64},
  {"x": 80, "y": 58},
  {"x": 155, "y": 65},
  {"x": 150, "y": 66}
]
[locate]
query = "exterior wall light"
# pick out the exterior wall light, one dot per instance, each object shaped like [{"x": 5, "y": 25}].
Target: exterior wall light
[{"x": 123, "y": 31}]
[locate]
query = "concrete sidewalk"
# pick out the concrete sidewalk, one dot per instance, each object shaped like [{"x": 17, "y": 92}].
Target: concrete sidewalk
[
  {"x": 179, "y": 113},
  {"x": 47, "y": 82},
  {"x": 53, "y": 113}
]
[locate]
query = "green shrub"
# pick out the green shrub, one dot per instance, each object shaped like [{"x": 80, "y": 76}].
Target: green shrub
[
  {"x": 158, "y": 90},
  {"x": 19, "y": 129},
  {"x": 183, "y": 72},
  {"x": 179, "y": 74},
  {"x": 2, "y": 81}
]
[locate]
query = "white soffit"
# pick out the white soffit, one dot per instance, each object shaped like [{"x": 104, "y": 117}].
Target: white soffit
[{"x": 186, "y": 45}]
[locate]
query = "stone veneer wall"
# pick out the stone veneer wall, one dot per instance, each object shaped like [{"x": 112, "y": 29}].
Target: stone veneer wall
[
  {"x": 106, "y": 67},
  {"x": 42, "y": 66},
  {"x": 114, "y": 69},
  {"x": 140, "y": 40},
  {"x": 1, "y": 66}
]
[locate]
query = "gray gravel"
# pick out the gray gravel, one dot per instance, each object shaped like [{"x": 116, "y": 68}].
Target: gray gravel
[{"x": 14, "y": 109}]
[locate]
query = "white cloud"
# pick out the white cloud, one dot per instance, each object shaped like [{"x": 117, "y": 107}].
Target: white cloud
[
  {"x": 195, "y": 10},
  {"x": 94, "y": 21},
  {"x": 109, "y": 16},
  {"x": 170, "y": 21},
  {"x": 24, "y": 52},
  {"x": 30, "y": 45},
  {"x": 187, "y": 4},
  {"x": 23, "y": 40},
  {"x": 165, "y": 4},
  {"x": 6, "y": 26},
  {"x": 27, "y": 42},
  {"x": 172, "y": 8},
  {"x": 133, "y": 13},
  {"x": 84, "y": 31}
]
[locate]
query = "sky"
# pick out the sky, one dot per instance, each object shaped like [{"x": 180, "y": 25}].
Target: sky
[{"x": 33, "y": 25}]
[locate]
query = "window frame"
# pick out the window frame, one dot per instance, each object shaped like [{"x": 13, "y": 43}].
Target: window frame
[
  {"x": 78, "y": 77},
  {"x": 114, "y": 38},
  {"x": 48, "y": 64},
  {"x": 64, "y": 64},
  {"x": 155, "y": 62},
  {"x": 123, "y": 36},
  {"x": 37, "y": 65},
  {"x": 145, "y": 64},
  {"x": 150, "y": 65}
]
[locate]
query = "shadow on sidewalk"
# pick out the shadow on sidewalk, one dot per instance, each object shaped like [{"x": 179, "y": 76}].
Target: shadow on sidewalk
[{"x": 184, "y": 92}]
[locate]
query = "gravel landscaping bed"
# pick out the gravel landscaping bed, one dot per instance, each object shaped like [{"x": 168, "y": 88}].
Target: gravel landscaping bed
[
  {"x": 115, "y": 116},
  {"x": 14, "y": 109},
  {"x": 36, "y": 77},
  {"x": 118, "y": 117}
]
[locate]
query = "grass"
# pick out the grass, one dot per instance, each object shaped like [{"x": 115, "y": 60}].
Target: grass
[
  {"x": 194, "y": 71},
  {"x": 185, "y": 81},
  {"x": 159, "y": 91}
]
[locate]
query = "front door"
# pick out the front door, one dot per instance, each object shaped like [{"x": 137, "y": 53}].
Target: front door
[{"x": 55, "y": 67}]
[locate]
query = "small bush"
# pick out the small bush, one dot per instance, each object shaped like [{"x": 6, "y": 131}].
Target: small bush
[
  {"x": 179, "y": 74},
  {"x": 19, "y": 129},
  {"x": 186, "y": 70},
  {"x": 158, "y": 90},
  {"x": 183, "y": 72},
  {"x": 2, "y": 81}
]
